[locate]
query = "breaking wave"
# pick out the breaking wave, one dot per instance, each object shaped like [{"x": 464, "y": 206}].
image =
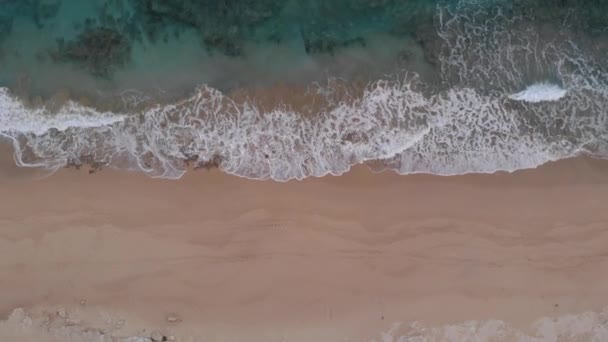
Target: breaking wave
[
  {"x": 475, "y": 120},
  {"x": 540, "y": 92}
]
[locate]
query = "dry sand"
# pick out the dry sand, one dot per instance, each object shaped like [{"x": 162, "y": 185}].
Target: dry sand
[{"x": 213, "y": 257}]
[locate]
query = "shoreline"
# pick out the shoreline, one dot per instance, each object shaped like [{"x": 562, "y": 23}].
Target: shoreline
[{"x": 329, "y": 258}]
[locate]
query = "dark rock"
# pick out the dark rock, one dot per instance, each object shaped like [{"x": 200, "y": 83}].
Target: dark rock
[{"x": 99, "y": 50}]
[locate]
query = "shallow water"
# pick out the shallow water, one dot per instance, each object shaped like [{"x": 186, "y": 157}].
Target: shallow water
[{"x": 292, "y": 89}]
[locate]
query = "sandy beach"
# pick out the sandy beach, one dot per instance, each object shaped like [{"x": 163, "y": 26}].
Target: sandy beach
[
  {"x": 118, "y": 256},
  {"x": 216, "y": 171}
]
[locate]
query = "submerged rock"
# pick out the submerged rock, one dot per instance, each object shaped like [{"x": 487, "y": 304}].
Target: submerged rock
[{"x": 99, "y": 50}]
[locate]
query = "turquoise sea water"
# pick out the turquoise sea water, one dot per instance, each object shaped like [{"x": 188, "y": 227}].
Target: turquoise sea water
[
  {"x": 291, "y": 89},
  {"x": 145, "y": 44}
]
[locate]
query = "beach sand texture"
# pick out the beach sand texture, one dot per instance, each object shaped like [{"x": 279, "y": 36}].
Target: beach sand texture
[{"x": 362, "y": 257}]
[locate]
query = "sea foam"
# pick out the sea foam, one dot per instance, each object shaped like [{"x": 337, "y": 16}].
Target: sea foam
[
  {"x": 465, "y": 125},
  {"x": 540, "y": 92},
  {"x": 17, "y": 118}
]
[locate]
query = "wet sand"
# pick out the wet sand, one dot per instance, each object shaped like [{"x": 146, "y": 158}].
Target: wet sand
[{"x": 213, "y": 257}]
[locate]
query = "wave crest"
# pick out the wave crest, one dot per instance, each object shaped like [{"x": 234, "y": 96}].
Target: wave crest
[{"x": 540, "y": 92}]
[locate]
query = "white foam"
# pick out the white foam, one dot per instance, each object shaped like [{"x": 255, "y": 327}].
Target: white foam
[
  {"x": 15, "y": 117},
  {"x": 540, "y": 92},
  {"x": 470, "y": 126},
  {"x": 476, "y": 132},
  {"x": 280, "y": 144}
]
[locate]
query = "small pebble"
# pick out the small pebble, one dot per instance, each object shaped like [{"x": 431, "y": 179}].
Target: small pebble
[
  {"x": 157, "y": 337},
  {"x": 119, "y": 324},
  {"x": 70, "y": 321},
  {"x": 62, "y": 313},
  {"x": 172, "y": 318}
]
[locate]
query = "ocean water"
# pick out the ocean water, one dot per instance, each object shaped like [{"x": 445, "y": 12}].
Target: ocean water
[{"x": 284, "y": 90}]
